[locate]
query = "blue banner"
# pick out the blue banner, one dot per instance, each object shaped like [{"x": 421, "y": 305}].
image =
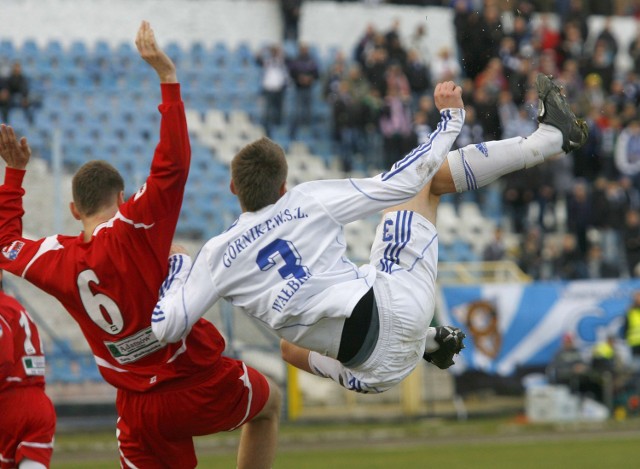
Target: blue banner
[{"x": 521, "y": 325}]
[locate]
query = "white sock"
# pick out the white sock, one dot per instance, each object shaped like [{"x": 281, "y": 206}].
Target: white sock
[
  {"x": 478, "y": 165},
  {"x": 431, "y": 344}
]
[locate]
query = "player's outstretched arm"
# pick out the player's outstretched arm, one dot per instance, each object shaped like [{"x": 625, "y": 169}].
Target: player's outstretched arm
[
  {"x": 185, "y": 296},
  {"x": 14, "y": 152},
  {"x": 154, "y": 55}
]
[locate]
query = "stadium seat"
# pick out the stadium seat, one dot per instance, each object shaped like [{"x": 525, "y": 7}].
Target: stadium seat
[
  {"x": 7, "y": 49},
  {"x": 53, "y": 49},
  {"x": 220, "y": 54},
  {"x": 126, "y": 50},
  {"x": 195, "y": 123},
  {"x": 89, "y": 369},
  {"x": 101, "y": 50},
  {"x": 78, "y": 50},
  {"x": 197, "y": 49},
  {"x": 215, "y": 122},
  {"x": 462, "y": 252},
  {"x": 64, "y": 368},
  {"x": 29, "y": 49}
]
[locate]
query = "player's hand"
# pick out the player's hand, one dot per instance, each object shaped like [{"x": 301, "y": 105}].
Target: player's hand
[
  {"x": 448, "y": 95},
  {"x": 14, "y": 152},
  {"x": 153, "y": 55}
]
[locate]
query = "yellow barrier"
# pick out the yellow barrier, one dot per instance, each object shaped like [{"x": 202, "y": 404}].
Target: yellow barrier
[{"x": 294, "y": 396}]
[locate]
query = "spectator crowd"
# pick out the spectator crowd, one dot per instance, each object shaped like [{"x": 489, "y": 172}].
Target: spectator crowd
[{"x": 577, "y": 217}]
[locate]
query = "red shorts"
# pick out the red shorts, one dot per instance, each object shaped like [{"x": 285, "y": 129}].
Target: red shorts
[
  {"x": 27, "y": 426},
  {"x": 155, "y": 429}
]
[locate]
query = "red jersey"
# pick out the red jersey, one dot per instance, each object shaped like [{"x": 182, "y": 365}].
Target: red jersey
[
  {"x": 21, "y": 358},
  {"x": 110, "y": 284}
]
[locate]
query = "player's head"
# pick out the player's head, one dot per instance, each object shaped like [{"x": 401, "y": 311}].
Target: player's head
[
  {"x": 259, "y": 174},
  {"x": 96, "y": 186}
]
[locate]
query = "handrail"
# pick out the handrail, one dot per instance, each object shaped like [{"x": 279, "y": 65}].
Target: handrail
[{"x": 480, "y": 272}]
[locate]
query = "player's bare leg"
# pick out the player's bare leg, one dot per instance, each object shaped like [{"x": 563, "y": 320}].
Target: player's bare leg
[
  {"x": 259, "y": 437},
  {"x": 478, "y": 165}
]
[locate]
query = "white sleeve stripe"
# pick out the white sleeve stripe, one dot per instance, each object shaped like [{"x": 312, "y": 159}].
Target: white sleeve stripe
[
  {"x": 105, "y": 364},
  {"x": 121, "y": 217},
  {"x": 5, "y": 321},
  {"x": 180, "y": 351},
  {"x": 31, "y": 444},
  {"x": 50, "y": 243}
]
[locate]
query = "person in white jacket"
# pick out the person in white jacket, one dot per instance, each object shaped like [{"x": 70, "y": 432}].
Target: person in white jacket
[
  {"x": 283, "y": 261},
  {"x": 627, "y": 151}
]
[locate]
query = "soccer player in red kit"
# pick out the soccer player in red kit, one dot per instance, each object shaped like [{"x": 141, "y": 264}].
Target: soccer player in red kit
[
  {"x": 109, "y": 277},
  {"x": 27, "y": 417}
]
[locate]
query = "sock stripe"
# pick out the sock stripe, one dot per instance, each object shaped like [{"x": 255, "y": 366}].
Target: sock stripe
[{"x": 470, "y": 177}]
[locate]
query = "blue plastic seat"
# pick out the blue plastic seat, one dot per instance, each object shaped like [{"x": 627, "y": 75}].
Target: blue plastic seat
[
  {"x": 101, "y": 50},
  {"x": 462, "y": 252},
  {"x": 174, "y": 51},
  {"x": 78, "y": 50},
  {"x": 7, "y": 49},
  {"x": 29, "y": 49},
  {"x": 53, "y": 49},
  {"x": 125, "y": 50},
  {"x": 64, "y": 369}
]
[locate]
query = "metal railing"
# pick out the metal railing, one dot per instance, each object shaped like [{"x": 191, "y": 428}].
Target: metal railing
[{"x": 480, "y": 272}]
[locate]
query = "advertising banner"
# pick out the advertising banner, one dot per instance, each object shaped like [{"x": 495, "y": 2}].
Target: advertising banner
[{"x": 522, "y": 325}]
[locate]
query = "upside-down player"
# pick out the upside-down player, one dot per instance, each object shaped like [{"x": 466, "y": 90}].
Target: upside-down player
[
  {"x": 283, "y": 261},
  {"x": 27, "y": 416},
  {"x": 109, "y": 277}
]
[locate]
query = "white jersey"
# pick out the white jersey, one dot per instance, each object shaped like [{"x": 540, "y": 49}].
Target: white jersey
[{"x": 285, "y": 264}]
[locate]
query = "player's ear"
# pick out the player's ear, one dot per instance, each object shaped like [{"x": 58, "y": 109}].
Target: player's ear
[
  {"x": 120, "y": 198},
  {"x": 74, "y": 211},
  {"x": 283, "y": 189},
  {"x": 232, "y": 188}
]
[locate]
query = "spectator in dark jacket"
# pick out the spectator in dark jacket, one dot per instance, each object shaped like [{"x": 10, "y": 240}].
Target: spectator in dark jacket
[
  {"x": 290, "y": 10},
  {"x": 418, "y": 75},
  {"x": 14, "y": 93},
  {"x": 304, "y": 73},
  {"x": 631, "y": 235}
]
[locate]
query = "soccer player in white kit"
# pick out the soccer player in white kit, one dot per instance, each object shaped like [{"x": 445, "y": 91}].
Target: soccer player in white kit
[{"x": 283, "y": 261}]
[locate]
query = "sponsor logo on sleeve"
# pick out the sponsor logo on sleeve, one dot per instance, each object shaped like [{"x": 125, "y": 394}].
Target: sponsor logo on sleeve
[
  {"x": 11, "y": 252},
  {"x": 34, "y": 365}
]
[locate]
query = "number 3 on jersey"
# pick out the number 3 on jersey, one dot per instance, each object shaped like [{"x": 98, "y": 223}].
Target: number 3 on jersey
[
  {"x": 292, "y": 261},
  {"x": 99, "y": 306}
]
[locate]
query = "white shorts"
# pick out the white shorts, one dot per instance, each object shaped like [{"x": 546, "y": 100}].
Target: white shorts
[{"x": 405, "y": 254}]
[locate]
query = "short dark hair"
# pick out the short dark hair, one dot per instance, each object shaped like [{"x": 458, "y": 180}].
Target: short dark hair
[
  {"x": 95, "y": 185},
  {"x": 258, "y": 171}
]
